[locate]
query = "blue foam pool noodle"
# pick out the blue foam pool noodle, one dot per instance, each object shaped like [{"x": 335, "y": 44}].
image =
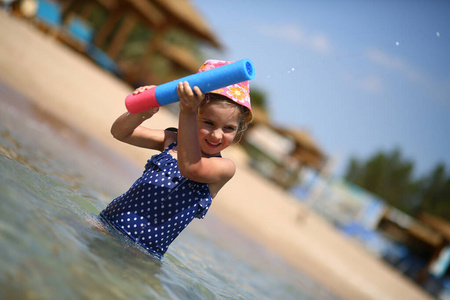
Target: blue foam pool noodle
[{"x": 207, "y": 81}]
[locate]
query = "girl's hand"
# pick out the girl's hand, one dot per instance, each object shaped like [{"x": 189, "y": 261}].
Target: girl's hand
[
  {"x": 190, "y": 99},
  {"x": 141, "y": 89},
  {"x": 149, "y": 113}
]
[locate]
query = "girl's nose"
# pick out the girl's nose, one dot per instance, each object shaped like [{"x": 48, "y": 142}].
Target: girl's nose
[{"x": 217, "y": 134}]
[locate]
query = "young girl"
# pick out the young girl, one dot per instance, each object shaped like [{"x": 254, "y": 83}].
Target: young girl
[{"x": 179, "y": 183}]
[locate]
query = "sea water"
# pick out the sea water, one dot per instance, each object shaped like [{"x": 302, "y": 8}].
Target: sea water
[{"x": 54, "y": 182}]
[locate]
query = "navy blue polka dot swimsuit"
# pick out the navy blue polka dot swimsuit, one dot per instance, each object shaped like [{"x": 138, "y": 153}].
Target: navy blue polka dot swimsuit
[{"x": 159, "y": 205}]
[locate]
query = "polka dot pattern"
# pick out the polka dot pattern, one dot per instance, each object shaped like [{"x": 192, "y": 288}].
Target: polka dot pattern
[{"x": 159, "y": 205}]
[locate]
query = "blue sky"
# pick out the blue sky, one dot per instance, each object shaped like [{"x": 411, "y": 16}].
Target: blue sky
[{"x": 360, "y": 76}]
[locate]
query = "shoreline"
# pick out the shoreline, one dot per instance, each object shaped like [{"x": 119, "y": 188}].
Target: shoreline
[{"x": 87, "y": 98}]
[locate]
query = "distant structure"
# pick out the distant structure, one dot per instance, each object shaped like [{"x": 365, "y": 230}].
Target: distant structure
[
  {"x": 279, "y": 153},
  {"x": 101, "y": 29},
  {"x": 427, "y": 236}
]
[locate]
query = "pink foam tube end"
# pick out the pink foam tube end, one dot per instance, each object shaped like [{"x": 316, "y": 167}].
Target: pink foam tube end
[{"x": 136, "y": 103}]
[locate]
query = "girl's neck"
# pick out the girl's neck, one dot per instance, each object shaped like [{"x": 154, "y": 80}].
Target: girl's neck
[{"x": 208, "y": 156}]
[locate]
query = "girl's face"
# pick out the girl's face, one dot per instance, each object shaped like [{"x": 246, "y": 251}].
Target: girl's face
[{"x": 217, "y": 127}]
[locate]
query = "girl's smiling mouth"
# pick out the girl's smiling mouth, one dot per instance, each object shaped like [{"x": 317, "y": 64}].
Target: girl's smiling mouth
[{"x": 212, "y": 144}]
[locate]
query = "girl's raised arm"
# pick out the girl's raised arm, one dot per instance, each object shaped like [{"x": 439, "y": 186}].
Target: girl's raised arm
[
  {"x": 127, "y": 128},
  {"x": 192, "y": 164}
]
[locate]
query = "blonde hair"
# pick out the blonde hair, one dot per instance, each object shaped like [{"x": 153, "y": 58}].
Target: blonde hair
[{"x": 245, "y": 113}]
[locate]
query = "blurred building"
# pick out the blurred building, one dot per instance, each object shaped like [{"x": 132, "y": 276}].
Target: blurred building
[
  {"x": 279, "y": 153},
  {"x": 418, "y": 247},
  {"x": 141, "y": 41}
]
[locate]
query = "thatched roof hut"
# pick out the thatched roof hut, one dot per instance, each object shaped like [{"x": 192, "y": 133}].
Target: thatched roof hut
[
  {"x": 306, "y": 149},
  {"x": 120, "y": 18}
]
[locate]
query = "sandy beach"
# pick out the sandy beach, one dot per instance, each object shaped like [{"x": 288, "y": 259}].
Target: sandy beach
[{"x": 73, "y": 89}]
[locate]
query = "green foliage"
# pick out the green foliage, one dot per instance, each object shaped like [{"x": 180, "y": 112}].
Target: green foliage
[
  {"x": 137, "y": 43},
  {"x": 436, "y": 192},
  {"x": 390, "y": 176},
  {"x": 258, "y": 98}
]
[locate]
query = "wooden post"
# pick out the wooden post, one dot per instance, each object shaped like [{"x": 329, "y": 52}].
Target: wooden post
[
  {"x": 152, "y": 47},
  {"x": 107, "y": 27},
  {"x": 86, "y": 11},
  {"x": 69, "y": 7},
  {"x": 121, "y": 36},
  {"x": 423, "y": 274}
]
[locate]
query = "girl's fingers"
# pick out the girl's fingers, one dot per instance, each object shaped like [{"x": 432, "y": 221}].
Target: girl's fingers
[
  {"x": 189, "y": 98},
  {"x": 187, "y": 89},
  {"x": 142, "y": 88},
  {"x": 184, "y": 91},
  {"x": 198, "y": 93},
  {"x": 138, "y": 90},
  {"x": 180, "y": 90},
  {"x": 191, "y": 92}
]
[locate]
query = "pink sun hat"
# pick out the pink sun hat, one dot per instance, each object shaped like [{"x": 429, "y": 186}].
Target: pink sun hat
[{"x": 239, "y": 92}]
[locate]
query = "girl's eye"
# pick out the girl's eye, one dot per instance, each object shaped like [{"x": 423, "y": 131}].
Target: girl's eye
[
  {"x": 209, "y": 123},
  {"x": 230, "y": 128}
]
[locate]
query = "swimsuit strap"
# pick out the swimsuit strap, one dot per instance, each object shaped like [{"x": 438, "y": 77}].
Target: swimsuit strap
[{"x": 170, "y": 147}]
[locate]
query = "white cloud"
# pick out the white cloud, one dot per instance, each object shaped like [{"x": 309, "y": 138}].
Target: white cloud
[
  {"x": 369, "y": 83},
  {"x": 384, "y": 59},
  {"x": 321, "y": 43},
  {"x": 395, "y": 63},
  {"x": 436, "y": 88},
  {"x": 288, "y": 33},
  {"x": 294, "y": 34}
]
